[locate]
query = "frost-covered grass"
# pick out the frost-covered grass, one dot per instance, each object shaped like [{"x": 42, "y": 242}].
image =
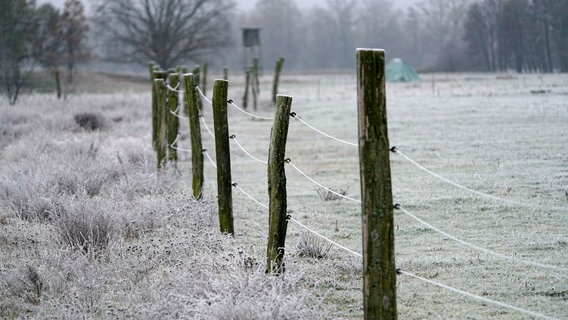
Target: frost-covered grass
[{"x": 88, "y": 229}]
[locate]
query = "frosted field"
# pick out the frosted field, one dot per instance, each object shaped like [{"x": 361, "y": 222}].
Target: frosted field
[{"x": 503, "y": 135}]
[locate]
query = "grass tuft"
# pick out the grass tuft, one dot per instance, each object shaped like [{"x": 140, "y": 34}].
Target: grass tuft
[{"x": 311, "y": 246}]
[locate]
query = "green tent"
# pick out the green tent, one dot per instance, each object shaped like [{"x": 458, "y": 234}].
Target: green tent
[{"x": 399, "y": 71}]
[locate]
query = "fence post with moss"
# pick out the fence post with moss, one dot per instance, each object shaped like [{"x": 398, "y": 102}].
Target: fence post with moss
[
  {"x": 223, "y": 155},
  {"x": 379, "y": 270},
  {"x": 190, "y": 100},
  {"x": 172, "y": 119},
  {"x": 277, "y": 207}
]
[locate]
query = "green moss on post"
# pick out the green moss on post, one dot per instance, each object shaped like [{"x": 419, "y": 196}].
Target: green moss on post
[
  {"x": 172, "y": 119},
  {"x": 161, "y": 111},
  {"x": 204, "y": 78},
  {"x": 195, "y": 131},
  {"x": 277, "y": 70},
  {"x": 255, "y": 83},
  {"x": 247, "y": 83},
  {"x": 196, "y": 76},
  {"x": 223, "y": 154},
  {"x": 379, "y": 269},
  {"x": 277, "y": 221}
]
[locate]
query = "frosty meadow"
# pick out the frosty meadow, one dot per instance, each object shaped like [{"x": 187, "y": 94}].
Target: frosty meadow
[{"x": 89, "y": 229}]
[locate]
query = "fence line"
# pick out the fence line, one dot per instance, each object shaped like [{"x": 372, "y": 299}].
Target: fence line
[
  {"x": 395, "y": 150},
  {"x": 206, "y": 126},
  {"x": 479, "y": 193},
  {"x": 476, "y": 247},
  {"x": 476, "y": 297}
]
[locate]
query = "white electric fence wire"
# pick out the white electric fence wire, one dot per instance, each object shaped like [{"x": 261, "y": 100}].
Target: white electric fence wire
[
  {"x": 176, "y": 89},
  {"x": 247, "y": 113},
  {"x": 479, "y": 193},
  {"x": 247, "y": 153},
  {"x": 476, "y": 297},
  {"x": 487, "y": 251},
  {"x": 207, "y": 127},
  {"x": 180, "y": 149},
  {"x": 203, "y": 95},
  {"x": 323, "y": 133},
  {"x": 210, "y": 159},
  {"x": 320, "y": 185},
  {"x": 175, "y": 113},
  {"x": 249, "y": 196},
  {"x": 325, "y": 238}
]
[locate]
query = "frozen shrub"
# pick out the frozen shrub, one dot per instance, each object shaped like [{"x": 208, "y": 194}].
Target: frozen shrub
[
  {"x": 311, "y": 246},
  {"x": 328, "y": 195},
  {"x": 89, "y": 121}
]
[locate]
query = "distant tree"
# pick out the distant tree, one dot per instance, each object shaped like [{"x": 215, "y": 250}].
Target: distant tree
[
  {"x": 481, "y": 32},
  {"x": 17, "y": 29},
  {"x": 74, "y": 29},
  {"x": 443, "y": 31},
  {"x": 342, "y": 12},
  {"x": 557, "y": 15},
  {"x": 167, "y": 32},
  {"x": 281, "y": 30},
  {"x": 47, "y": 42}
]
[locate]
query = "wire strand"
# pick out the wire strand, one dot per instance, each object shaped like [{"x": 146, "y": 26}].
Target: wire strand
[
  {"x": 249, "y": 196},
  {"x": 247, "y": 113},
  {"x": 203, "y": 95},
  {"x": 321, "y": 132},
  {"x": 209, "y": 157},
  {"x": 233, "y": 137},
  {"x": 479, "y": 193},
  {"x": 325, "y": 238},
  {"x": 320, "y": 185},
  {"x": 476, "y": 247},
  {"x": 206, "y": 126},
  {"x": 476, "y": 297},
  {"x": 176, "y": 89}
]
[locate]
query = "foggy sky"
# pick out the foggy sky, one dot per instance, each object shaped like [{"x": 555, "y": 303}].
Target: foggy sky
[{"x": 244, "y": 5}]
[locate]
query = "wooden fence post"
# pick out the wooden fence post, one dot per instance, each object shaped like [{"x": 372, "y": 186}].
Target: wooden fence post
[
  {"x": 57, "y": 76},
  {"x": 277, "y": 217},
  {"x": 255, "y": 83},
  {"x": 223, "y": 154},
  {"x": 204, "y": 78},
  {"x": 277, "y": 70},
  {"x": 247, "y": 83},
  {"x": 161, "y": 112},
  {"x": 379, "y": 269},
  {"x": 171, "y": 119},
  {"x": 225, "y": 73},
  {"x": 196, "y": 76},
  {"x": 195, "y": 131}
]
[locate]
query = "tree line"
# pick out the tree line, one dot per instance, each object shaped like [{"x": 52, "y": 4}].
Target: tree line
[
  {"x": 45, "y": 36},
  {"x": 433, "y": 35}
]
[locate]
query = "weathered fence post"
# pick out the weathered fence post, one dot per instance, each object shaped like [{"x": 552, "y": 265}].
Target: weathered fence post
[
  {"x": 255, "y": 83},
  {"x": 277, "y": 219},
  {"x": 379, "y": 270},
  {"x": 195, "y": 132},
  {"x": 277, "y": 70},
  {"x": 172, "y": 119},
  {"x": 196, "y": 77},
  {"x": 225, "y": 73},
  {"x": 161, "y": 112},
  {"x": 247, "y": 83},
  {"x": 223, "y": 154},
  {"x": 204, "y": 78},
  {"x": 57, "y": 76}
]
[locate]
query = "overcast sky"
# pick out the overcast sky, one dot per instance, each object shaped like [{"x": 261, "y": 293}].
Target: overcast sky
[{"x": 246, "y": 5}]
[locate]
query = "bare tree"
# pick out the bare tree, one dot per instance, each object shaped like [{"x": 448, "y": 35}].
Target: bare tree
[
  {"x": 73, "y": 33},
  {"x": 167, "y": 32},
  {"x": 17, "y": 25}
]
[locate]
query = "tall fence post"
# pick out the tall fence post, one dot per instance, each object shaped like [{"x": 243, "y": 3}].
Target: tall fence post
[
  {"x": 57, "y": 76},
  {"x": 277, "y": 219},
  {"x": 247, "y": 83},
  {"x": 171, "y": 116},
  {"x": 255, "y": 82},
  {"x": 195, "y": 132},
  {"x": 223, "y": 154},
  {"x": 161, "y": 112},
  {"x": 204, "y": 70},
  {"x": 196, "y": 76},
  {"x": 277, "y": 70},
  {"x": 379, "y": 270}
]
